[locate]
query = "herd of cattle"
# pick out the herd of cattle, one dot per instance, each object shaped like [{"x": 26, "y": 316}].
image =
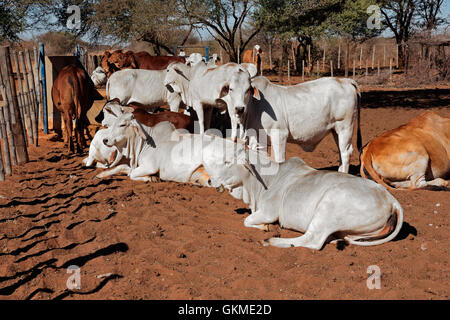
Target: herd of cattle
[{"x": 141, "y": 139}]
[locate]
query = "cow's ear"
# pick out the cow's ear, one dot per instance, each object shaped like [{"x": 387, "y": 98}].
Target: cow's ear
[
  {"x": 127, "y": 109},
  {"x": 108, "y": 109},
  {"x": 256, "y": 94},
  {"x": 180, "y": 73},
  {"x": 224, "y": 91}
]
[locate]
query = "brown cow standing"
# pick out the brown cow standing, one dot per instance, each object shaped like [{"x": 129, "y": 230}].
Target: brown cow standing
[{"x": 73, "y": 94}]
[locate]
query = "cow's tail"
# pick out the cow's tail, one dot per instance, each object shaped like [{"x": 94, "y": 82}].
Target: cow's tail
[
  {"x": 389, "y": 232},
  {"x": 366, "y": 163},
  {"x": 358, "y": 115}
]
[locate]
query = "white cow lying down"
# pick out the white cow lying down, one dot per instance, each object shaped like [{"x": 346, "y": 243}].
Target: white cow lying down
[
  {"x": 150, "y": 150},
  {"x": 319, "y": 203},
  {"x": 101, "y": 154}
]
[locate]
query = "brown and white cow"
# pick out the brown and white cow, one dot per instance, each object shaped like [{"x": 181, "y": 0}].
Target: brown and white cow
[
  {"x": 73, "y": 94},
  {"x": 412, "y": 156}
]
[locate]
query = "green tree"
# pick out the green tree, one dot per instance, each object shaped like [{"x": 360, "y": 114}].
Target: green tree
[
  {"x": 12, "y": 19},
  {"x": 227, "y": 21}
]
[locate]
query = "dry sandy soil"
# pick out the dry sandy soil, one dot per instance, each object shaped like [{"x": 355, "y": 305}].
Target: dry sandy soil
[{"x": 174, "y": 241}]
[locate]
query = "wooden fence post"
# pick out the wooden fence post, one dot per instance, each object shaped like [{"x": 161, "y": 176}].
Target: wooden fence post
[
  {"x": 303, "y": 70},
  {"x": 360, "y": 58},
  {"x": 354, "y": 68},
  {"x": 378, "y": 66},
  {"x": 34, "y": 98},
  {"x": 21, "y": 97},
  {"x": 373, "y": 57},
  {"x": 331, "y": 67},
  {"x": 289, "y": 73},
  {"x": 323, "y": 59},
  {"x": 8, "y": 142},
  {"x": 21, "y": 150},
  {"x": 318, "y": 69},
  {"x": 32, "y": 103},
  {"x": 28, "y": 105},
  {"x": 4, "y": 134},
  {"x": 390, "y": 69},
  {"x": 339, "y": 57}
]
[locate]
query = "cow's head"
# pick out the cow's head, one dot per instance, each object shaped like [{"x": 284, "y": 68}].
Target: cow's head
[
  {"x": 111, "y": 111},
  {"x": 228, "y": 166},
  {"x": 236, "y": 94},
  {"x": 193, "y": 59},
  {"x": 98, "y": 77},
  {"x": 176, "y": 76},
  {"x": 122, "y": 130},
  {"x": 122, "y": 60}
]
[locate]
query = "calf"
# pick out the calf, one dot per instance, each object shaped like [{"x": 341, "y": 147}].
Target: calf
[
  {"x": 73, "y": 94},
  {"x": 319, "y": 203},
  {"x": 415, "y": 155}
]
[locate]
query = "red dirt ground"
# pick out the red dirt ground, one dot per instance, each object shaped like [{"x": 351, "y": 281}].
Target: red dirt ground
[{"x": 174, "y": 241}]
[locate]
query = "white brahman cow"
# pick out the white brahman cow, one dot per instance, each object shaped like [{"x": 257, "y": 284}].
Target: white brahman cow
[
  {"x": 101, "y": 154},
  {"x": 304, "y": 113},
  {"x": 98, "y": 76},
  {"x": 322, "y": 204},
  {"x": 144, "y": 87},
  {"x": 226, "y": 87},
  {"x": 150, "y": 151}
]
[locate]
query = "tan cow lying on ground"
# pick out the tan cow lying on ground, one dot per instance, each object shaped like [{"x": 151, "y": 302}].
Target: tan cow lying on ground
[{"x": 414, "y": 155}]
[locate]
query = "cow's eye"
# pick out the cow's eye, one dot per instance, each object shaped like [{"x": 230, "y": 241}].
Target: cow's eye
[{"x": 123, "y": 125}]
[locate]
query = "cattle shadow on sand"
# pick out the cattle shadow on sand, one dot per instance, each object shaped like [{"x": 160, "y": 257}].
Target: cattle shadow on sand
[{"x": 416, "y": 98}]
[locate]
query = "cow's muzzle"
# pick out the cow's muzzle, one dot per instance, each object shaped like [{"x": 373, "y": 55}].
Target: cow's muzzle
[{"x": 240, "y": 110}]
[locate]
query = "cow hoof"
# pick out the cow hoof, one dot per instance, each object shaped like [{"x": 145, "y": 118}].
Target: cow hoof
[
  {"x": 265, "y": 243},
  {"x": 265, "y": 227}
]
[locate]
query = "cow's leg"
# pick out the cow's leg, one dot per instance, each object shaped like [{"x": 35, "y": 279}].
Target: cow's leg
[
  {"x": 68, "y": 125},
  {"x": 314, "y": 238},
  {"x": 207, "y": 117},
  {"x": 79, "y": 135},
  {"x": 199, "y": 110},
  {"x": 143, "y": 173},
  {"x": 439, "y": 182},
  {"x": 344, "y": 141},
  {"x": 259, "y": 218},
  {"x": 123, "y": 168},
  {"x": 278, "y": 139}
]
